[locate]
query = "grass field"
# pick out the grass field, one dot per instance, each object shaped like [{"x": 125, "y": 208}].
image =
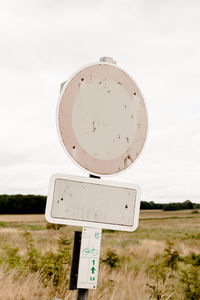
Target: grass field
[{"x": 133, "y": 265}]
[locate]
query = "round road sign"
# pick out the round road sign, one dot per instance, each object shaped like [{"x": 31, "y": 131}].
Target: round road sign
[{"x": 102, "y": 119}]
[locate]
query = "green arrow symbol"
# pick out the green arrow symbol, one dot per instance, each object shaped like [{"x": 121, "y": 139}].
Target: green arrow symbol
[{"x": 93, "y": 269}]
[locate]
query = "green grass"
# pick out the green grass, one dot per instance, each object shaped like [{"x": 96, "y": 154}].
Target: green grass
[{"x": 22, "y": 226}]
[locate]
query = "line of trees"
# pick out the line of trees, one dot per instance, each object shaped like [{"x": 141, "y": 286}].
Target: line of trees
[
  {"x": 170, "y": 206},
  {"x": 35, "y": 204},
  {"x": 22, "y": 204}
]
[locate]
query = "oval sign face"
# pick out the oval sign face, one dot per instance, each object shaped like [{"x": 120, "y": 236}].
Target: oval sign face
[{"x": 102, "y": 119}]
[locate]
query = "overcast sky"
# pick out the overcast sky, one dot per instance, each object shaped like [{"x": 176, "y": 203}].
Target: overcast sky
[{"x": 158, "y": 42}]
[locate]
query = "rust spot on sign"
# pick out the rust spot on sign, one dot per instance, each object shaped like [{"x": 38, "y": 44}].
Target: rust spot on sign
[
  {"x": 127, "y": 161},
  {"x": 93, "y": 126}
]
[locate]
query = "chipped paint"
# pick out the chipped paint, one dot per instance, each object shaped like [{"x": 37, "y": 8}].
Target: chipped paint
[
  {"x": 89, "y": 202},
  {"x": 127, "y": 161},
  {"x": 90, "y": 117}
]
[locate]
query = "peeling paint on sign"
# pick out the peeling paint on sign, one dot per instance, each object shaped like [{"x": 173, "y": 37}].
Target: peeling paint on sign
[
  {"x": 92, "y": 202},
  {"x": 102, "y": 119}
]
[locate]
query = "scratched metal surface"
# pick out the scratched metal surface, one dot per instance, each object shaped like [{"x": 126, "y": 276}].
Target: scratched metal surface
[
  {"x": 84, "y": 201},
  {"x": 102, "y": 119}
]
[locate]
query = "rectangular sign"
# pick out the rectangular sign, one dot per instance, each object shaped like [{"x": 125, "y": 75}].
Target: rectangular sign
[
  {"x": 92, "y": 202},
  {"x": 89, "y": 258}
]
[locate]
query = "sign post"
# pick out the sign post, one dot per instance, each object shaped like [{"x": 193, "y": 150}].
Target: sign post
[{"x": 102, "y": 125}]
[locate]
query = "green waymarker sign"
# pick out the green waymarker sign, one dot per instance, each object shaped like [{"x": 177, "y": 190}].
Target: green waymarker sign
[{"x": 93, "y": 270}]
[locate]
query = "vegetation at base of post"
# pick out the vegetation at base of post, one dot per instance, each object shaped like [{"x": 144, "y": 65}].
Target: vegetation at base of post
[
  {"x": 111, "y": 259},
  {"x": 169, "y": 276},
  {"x": 160, "y": 260},
  {"x": 51, "y": 265},
  {"x": 173, "y": 276}
]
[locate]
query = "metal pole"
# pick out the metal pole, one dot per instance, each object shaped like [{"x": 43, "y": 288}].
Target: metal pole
[
  {"x": 82, "y": 294},
  {"x": 75, "y": 261}
]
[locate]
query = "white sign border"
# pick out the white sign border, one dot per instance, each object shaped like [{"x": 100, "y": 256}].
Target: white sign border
[{"x": 50, "y": 219}]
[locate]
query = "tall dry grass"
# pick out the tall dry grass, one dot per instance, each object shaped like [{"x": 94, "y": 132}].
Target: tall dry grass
[
  {"x": 129, "y": 282},
  {"x": 112, "y": 285},
  {"x": 22, "y": 287}
]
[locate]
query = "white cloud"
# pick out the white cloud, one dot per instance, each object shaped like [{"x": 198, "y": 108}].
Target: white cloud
[{"x": 44, "y": 42}]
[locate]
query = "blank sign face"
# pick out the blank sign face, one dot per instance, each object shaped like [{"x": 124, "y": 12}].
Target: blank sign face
[
  {"x": 93, "y": 203},
  {"x": 102, "y": 119},
  {"x": 108, "y": 127}
]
